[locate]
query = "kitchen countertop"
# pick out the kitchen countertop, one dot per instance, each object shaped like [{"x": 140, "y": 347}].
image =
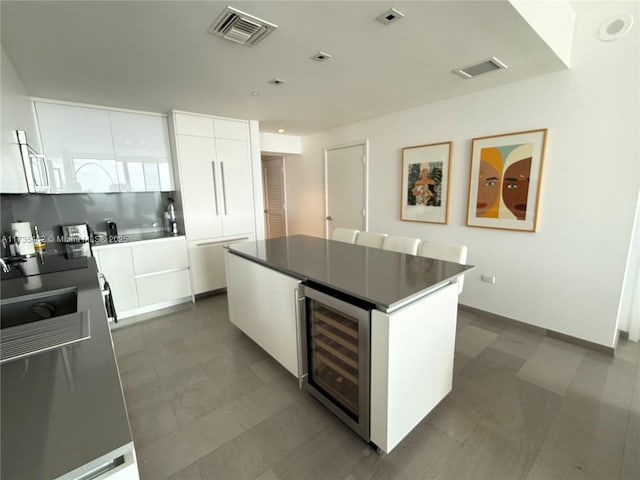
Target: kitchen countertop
[
  {"x": 127, "y": 238},
  {"x": 64, "y": 408},
  {"x": 389, "y": 280}
]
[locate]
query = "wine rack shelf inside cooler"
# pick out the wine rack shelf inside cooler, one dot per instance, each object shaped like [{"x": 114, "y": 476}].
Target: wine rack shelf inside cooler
[{"x": 334, "y": 345}]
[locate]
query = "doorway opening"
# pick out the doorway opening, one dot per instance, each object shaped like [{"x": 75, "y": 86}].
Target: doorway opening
[{"x": 275, "y": 196}]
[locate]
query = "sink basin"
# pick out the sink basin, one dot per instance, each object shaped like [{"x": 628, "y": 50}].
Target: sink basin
[
  {"x": 37, "y": 323},
  {"x": 32, "y": 308}
]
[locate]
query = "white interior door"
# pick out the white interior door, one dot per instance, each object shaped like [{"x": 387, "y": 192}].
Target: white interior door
[
  {"x": 345, "y": 187},
  {"x": 275, "y": 213}
]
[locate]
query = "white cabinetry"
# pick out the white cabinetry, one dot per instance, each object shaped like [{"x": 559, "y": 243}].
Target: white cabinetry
[
  {"x": 146, "y": 276},
  {"x": 100, "y": 150},
  {"x": 141, "y": 146},
  {"x": 213, "y": 157},
  {"x": 208, "y": 257},
  {"x": 263, "y": 304}
]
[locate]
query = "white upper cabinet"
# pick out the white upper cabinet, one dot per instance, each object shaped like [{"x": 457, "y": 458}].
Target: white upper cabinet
[
  {"x": 78, "y": 147},
  {"x": 231, "y": 129},
  {"x": 98, "y": 150},
  {"x": 198, "y": 125},
  {"x": 141, "y": 145}
]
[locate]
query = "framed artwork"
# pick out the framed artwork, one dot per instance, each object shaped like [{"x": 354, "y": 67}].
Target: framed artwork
[
  {"x": 504, "y": 184},
  {"x": 425, "y": 183}
]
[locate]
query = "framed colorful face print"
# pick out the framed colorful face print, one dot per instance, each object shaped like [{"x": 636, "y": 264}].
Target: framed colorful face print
[
  {"x": 425, "y": 183},
  {"x": 504, "y": 184}
]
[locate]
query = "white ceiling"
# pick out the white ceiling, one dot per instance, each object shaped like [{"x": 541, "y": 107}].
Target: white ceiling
[{"x": 157, "y": 55}]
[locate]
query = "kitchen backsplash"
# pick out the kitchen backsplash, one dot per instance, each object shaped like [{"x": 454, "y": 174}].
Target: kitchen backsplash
[{"x": 132, "y": 212}]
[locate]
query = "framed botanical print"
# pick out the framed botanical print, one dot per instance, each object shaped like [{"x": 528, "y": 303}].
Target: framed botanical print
[
  {"x": 504, "y": 183},
  {"x": 425, "y": 183}
]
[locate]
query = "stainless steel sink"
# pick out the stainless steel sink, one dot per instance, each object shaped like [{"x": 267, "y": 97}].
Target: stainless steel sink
[
  {"x": 39, "y": 322},
  {"x": 39, "y": 306}
]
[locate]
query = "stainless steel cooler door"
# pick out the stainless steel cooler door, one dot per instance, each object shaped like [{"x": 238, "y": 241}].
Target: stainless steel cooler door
[{"x": 336, "y": 357}]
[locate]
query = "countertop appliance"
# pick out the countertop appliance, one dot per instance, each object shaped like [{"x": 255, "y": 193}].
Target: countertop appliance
[
  {"x": 76, "y": 242},
  {"x": 335, "y": 341}
]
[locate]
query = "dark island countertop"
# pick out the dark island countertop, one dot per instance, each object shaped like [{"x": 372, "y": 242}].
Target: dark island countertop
[
  {"x": 389, "y": 280},
  {"x": 62, "y": 409}
]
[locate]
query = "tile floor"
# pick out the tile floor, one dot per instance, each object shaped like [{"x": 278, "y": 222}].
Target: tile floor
[{"x": 207, "y": 403}]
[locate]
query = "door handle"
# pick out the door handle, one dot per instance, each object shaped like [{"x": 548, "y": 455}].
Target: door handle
[
  {"x": 215, "y": 188},
  {"x": 299, "y": 305},
  {"x": 330, "y": 218}
]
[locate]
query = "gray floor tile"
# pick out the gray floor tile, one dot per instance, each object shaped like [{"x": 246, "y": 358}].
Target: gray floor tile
[
  {"x": 517, "y": 342},
  {"x": 151, "y": 423},
  {"x": 190, "y": 472},
  {"x": 472, "y": 340},
  {"x": 492, "y": 369},
  {"x": 257, "y": 449},
  {"x": 552, "y": 366},
  {"x": 206, "y": 403},
  {"x": 267, "y": 369},
  {"x": 524, "y": 410},
  {"x": 486, "y": 455}
]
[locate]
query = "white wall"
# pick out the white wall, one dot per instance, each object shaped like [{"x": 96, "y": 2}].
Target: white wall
[
  {"x": 17, "y": 114},
  {"x": 568, "y": 276}
]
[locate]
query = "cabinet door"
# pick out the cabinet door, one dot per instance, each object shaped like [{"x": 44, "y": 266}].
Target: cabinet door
[
  {"x": 199, "y": 125},
  {"x": 262, "y": 303},
  {"x": 200, "y": 195},
  {"x": 231, "y": 129},
  {"x": 207, "y": 264},
  {"x": 141, "y": 145},
  {"x": 236, "y": 186},
  {"x": 163, "y": 287},
  {"x": 117, "y": 266},
  {"x": 77, "y": 141},
  {"x": 159, "y": 256}
]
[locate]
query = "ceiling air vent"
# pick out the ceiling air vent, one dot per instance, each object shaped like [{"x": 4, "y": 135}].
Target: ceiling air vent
[
  {"x": 474, "y": 70},
  {"x": 389, "y": 16},
  {"x": 239, "y": 27}
]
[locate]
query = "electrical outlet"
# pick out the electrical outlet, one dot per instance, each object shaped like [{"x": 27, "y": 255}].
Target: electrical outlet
[{"x": 488, "y": 278}]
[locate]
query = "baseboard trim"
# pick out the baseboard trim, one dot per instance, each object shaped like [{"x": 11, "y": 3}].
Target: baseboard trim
[
  {"x": 544, "y": 331},
  {"x": 210, "y": 293}
]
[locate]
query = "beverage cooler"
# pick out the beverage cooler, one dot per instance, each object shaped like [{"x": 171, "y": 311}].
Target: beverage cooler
[{"x": 335, "y": 338}]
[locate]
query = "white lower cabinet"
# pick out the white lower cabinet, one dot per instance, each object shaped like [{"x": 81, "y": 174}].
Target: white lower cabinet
[
  {"x": 117, "y": 266},
  {"x": 161, "y": 287},
  {"x": 207, "y": 263},
  {"x": 146, "y": 275},
  {"x": 262, "y": 303}
]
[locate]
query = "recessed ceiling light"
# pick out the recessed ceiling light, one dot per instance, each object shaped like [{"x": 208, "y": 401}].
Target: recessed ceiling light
[
  {"x": 320, "y": 57},
  {"x": 255, "y": 93},
  {"x": 389, "y": 16},
  {"x": 281, "y": 130},
  {"x": 615, "y": 27},
  {"x": 276, "y": 81}
]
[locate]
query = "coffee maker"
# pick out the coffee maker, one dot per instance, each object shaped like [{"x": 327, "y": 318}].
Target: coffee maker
[{"x": 75, "y": 239}]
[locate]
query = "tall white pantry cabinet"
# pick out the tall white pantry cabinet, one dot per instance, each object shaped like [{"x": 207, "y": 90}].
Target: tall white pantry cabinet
[{"x": 214, "y": 174}]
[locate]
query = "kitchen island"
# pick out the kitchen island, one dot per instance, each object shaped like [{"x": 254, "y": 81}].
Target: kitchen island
[
  {"x": 63, "y": 411},
  {"x": 407, "y": 340}
]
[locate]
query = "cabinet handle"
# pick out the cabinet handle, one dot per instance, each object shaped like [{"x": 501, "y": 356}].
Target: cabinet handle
[
  {"x": 224, "y": 190},
  {"x": 215, "y": 188},
  {"x": 218, "y": 242},
  {"x": 299, "y": 304}
]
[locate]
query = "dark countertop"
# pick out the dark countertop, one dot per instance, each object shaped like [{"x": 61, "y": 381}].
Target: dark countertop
[
  {"x": 64, "y": 408},
  {"x": 387, "y": 279},
  {"x": 132, "y": 237}
]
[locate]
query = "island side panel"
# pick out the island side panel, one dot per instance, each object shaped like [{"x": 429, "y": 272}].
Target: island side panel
[
  {"x": 411, "y": 364},
  {"x": 262, "y": 303}
]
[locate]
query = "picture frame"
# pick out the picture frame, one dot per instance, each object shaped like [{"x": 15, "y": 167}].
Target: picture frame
[
  {"x": 505, "y": 180},
  {"x": 425, "y": 183}
]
